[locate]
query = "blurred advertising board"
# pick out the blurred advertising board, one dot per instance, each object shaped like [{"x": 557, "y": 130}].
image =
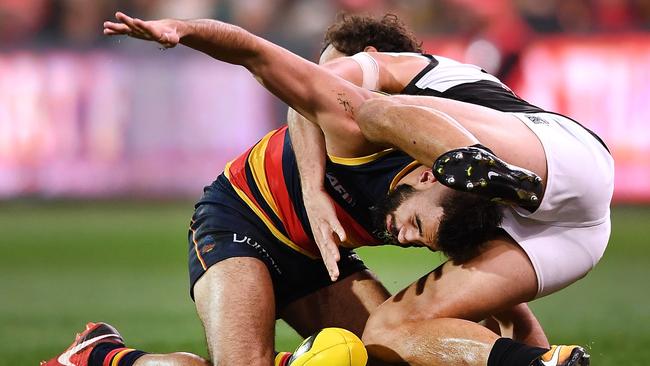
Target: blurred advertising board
[
  {"x": 604, "y": 83},
  {"x": 96, "y": 124},
  {"x": 105, "y": 123}
]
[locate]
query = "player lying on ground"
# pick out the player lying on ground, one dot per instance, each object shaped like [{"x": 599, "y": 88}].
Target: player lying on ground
[
  {"x": 557, "y": 226},
  {"x": 252, "y": 257}
]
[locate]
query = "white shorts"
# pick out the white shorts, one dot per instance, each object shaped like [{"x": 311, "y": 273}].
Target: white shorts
[{"x": 567, "y": 235}]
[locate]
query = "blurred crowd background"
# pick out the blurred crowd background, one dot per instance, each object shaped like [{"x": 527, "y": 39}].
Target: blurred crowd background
[
  {"x": 298, "y": 24},
  {"x": 86, "y": 115},
  {"x": 76, "y": 23}
]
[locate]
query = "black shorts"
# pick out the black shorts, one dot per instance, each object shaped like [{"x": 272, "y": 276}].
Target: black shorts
[{"x": 224, "y": 227}]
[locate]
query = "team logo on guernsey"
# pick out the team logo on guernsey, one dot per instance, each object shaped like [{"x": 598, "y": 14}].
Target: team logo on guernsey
[
  {"x": 207, "y": 248},
  {"x": 338, "y": 187}
]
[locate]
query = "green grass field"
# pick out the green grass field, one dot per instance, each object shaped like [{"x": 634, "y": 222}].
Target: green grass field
[{"x": 63, "y": 264}]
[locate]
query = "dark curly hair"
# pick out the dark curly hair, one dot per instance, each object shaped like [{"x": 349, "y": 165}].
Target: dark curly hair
[
  {"x": 468, "y": 222},
  {"x": 350, "y": 34}
]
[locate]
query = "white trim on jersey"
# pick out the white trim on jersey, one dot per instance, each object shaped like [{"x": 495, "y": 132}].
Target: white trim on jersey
[{"x": 449, "y": 73}]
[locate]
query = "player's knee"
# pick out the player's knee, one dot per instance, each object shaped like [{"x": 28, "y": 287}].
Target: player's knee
[
  {"x": 378, "y": 328},
  {"x": 383, "y": 339},
  {"x": 189, "y": 359}
]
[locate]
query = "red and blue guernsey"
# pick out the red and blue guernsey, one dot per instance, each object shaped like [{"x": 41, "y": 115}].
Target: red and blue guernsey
[{"x": 266, "y": 179}]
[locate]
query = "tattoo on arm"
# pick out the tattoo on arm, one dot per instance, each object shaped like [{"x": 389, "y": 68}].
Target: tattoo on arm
[{"x": 345, "y": 102}]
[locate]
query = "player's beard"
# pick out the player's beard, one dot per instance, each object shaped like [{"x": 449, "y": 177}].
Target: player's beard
[{"x": 387, "y": 206}]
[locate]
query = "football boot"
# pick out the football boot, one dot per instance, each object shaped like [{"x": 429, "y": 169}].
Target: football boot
[
  {"x": 477, "y": 170},
  {"x": 79, "y": 351}
]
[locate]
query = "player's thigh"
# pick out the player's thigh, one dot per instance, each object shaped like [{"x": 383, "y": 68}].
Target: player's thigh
[
  {"x": 346, "y": 303},
  {"x": 494, "y": 281},
  {"x": 235, "y": 301}
]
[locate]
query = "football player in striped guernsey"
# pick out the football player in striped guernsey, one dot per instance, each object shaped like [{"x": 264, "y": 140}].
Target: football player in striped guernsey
[{"x": 252, "y": 257}]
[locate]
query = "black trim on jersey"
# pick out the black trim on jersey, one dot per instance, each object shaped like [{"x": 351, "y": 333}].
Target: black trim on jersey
[
  {"x": 485, "y": 93},
  {"x": 411, "y": 89},
  {"x": 490, "y": 94}
]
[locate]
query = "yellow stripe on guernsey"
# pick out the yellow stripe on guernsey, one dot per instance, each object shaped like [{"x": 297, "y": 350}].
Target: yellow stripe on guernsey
[
  {"x": 361, "y": 159},
  {"x": 256, "y": 161},
  {"x": 264, "y": 219},
  {"x": 407, "y": 169}
]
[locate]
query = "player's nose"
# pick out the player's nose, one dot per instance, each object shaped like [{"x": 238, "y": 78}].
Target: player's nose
[
  {"x": 407, "y": 235},
  {"x": 401, "y": 235}
]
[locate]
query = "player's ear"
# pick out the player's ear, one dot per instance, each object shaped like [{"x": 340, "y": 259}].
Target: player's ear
[
  {"x": 370, "y": 49},
  {"x": 426, "y": 177}
]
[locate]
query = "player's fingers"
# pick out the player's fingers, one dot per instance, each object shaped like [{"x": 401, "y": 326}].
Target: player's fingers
[
  {"x": 137, "y": 25},
  {"x": 333, "y": 270},
  {"x": 338, "y": 229},
  {"x": 123, "y": 17},
  {"x": 116, "y": 28},
  {"x": 109, "y": 32},
  {"x": 329, "y": 251},
  {"x": 332, "y": 267},
  {"x": 334, "y": 251},
  {"x": 147, "y": 28},
  {"x": 327, "y": 243},
  {"x": 128, "y": 21}
]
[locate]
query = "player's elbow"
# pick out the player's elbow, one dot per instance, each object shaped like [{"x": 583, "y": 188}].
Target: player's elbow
[{"x": 375, "y": 116}]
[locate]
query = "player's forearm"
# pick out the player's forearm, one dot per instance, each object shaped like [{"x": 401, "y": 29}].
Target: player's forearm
[
  {"x": 223, "y": 41},
  {"x": 309, "y": 147}
]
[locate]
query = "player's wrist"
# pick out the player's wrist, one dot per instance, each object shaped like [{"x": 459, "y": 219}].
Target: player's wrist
[
  {"x": 183, "y": 27},
  {"x": 310, "y": 188}
]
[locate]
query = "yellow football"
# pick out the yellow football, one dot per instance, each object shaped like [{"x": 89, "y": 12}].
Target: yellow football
[{"x": 330, "y": 347}]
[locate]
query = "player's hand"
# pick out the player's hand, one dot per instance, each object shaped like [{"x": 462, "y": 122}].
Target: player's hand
[
  {"x": 327, "y": 230},
  {"x": 163, "y": 31}
]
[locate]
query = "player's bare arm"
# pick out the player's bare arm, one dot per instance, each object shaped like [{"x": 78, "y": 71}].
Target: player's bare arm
[{"x": 309, "y": 146}]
